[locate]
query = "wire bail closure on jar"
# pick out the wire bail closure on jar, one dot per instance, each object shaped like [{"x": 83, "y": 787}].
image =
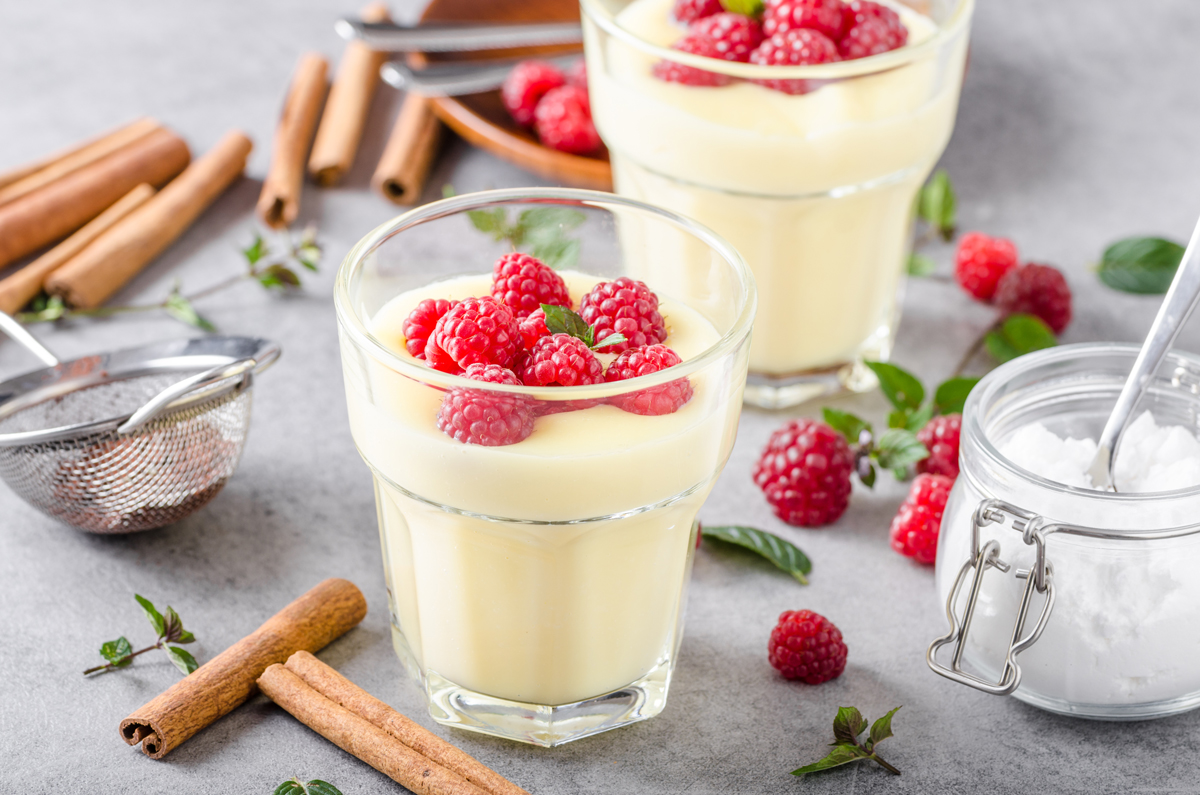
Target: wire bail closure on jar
[{"x": 1040, "y": 578}]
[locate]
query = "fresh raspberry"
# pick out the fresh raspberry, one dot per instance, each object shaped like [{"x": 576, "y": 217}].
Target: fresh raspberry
[
  {"x": 563, "y": 121},
  {"x": 533, "y": 327},
  {"x": 940, "y": 437},
  {"x": 688, "y": 11},
  {"x": 915, "y": 527},
  {"x": 795, "y": 47},
  {"x": 824, "y": 16},
  {"x": 525, "y": 86},
  {"x": 474, "y": 331},
  {"x": 477, "y": 416},
  {"x": 576, "y": 74},
  {"x": 627, "y": 307},
  {"x": 524, "y": 283},
  {"x": 1038, "y": 290},
  {"x": 736, "y": 35},
  {"x": 674, "y": 72},
  {"x": 981, "y": 262},
  {"x": 420, "y": 324},
  {"x": 665, "y": 399},
  {"x": 805, "y": 473},
  {"x": 871, "y": 28},
  {"x": 560, "y": 360},
  {"x": 807, "y": 646}
]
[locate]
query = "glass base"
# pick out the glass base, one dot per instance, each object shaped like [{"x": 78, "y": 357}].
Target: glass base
[{"x": 784, "y": 391}]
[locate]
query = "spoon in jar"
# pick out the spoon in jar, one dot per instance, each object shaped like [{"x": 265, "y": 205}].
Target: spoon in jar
[{"x": 1181, "y": 299}]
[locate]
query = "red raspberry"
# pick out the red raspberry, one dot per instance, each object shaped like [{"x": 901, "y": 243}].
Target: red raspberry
[
  {"x": 981, "y": 262},
  {"x": 477, "y": 416},
  {"x": 627, "y": 307},
  {"x": 576, "y": 74},
  {"x": 524, "y": 283},
  {"x": 940, "y": 437},
  {"x": 807, "y": 646},
  {"x": 805, "y": 473},
  {"x": 665, "y": 399},
  {"x": 420, "y": 324},
  {"x": 533, "y": 327},
  {"x": 563, "y": 121},
  {"x": 824, "y": 16},
  {"x": 795, "y": 47},
  {"x": 915, "y": 528},
  {"x": 871, "y": 28},
  {"x": 736, "y": 35},
  {"x": 560, "y": 360},
  {"x": 688, "y": 11},
  {"x": 1038, "y": 290},
  {"x": 689, "y": 75},
  {"x": 474, "y": 331},
  {"x": 525, "y": 86}
]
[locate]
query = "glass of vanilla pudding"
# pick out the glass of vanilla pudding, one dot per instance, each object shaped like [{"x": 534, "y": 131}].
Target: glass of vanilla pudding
[
  {"x": 814, "y": 185},
  {"x": 1078, "y": 601},
  {"x": 537, "y": 534}
]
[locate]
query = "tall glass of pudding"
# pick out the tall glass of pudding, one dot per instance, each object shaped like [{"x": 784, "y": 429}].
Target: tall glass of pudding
[
  {"x": 814, "y": 185},
  {"x": 537, "y": 571}
]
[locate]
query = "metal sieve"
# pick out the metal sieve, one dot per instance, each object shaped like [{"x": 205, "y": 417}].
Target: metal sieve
[{"x": 129, "y": 440}]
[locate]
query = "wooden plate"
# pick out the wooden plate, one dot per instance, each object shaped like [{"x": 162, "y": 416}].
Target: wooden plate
[{"x": 481, "y": 118}]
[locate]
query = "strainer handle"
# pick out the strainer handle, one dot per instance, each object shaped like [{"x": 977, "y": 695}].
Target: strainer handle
[{"x": 17, "y": 332}]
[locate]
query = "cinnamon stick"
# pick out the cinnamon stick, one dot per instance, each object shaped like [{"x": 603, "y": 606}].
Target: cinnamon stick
[
  {"x": 409, "y": 154},
  {"x": 72, "y": 160},
  {"x": 355, "y": 735},
  {"x": 346, "y": 109},
  {"x": 341, "y": 691},
  {"x": 21, "y": 287},
  {"x": 119, "y": 254},
  {"x": 279, "y": 202},
  {"x": 55, "y": 210},
  {"x": 214, "y": 689}
]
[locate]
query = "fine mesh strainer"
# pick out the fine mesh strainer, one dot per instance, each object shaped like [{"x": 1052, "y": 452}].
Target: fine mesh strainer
[{"x": 129, "y": 440}]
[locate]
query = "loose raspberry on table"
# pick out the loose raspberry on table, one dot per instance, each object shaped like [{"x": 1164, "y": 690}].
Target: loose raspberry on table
[
  {"x": 533, "y": 327},
  {"x": 916, "y": 525},
  {"x": 674, "y": 72},
  {"x": 940, "y": 437},
  {"x": 795, "y": 47},
  {"x": 807, "y": 646},
  {"x": 735, "y": 35},
  {"x": 653, "y": 401},
  {"x": 805, "y": 473},
  {"x": 563, "y": 120},
  {"x": 576, "y": 74},
  {"x": 688, "y": 11},
  {"x": 474, "y": 331},
  {"x": 1039, "y": 290},
  {"x": 560, "y": 360},
  {"x": 525, "y": 86},
  {"x": 421, "y": 322},
  {"x": 477, "y": 416},
  {"x": 824, "y": 16},
  {"x": 524, "y": 283},
  {"x": 623, "y": 306},
  {"x": 981, "y": 261}
]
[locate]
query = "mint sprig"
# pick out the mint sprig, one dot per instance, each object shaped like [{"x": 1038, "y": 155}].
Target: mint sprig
[
  {"x": 169, "y": 628},
  {"x": 848, "y": 726},
  {"x": 540, "y": 231},
  {"x": 294, "y": 786},
  {"x": 896, "y": 448},
  {"x": 785, "y": 555},
  {"x": 561, "y": 320}
]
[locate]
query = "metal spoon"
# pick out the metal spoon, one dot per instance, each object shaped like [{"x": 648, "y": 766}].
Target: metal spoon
[
  {"x": 454, "y": 79},
  {"x": 458, "y": 37},
  {"x": 1181, "y": 299}
]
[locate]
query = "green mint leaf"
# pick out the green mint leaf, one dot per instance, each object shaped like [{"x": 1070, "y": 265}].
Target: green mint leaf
[
  {"x": 936, "y": 204},
  {"x": 1143, "y": 265},
  {"x": 916, "y": 421},
  {"x": 308, "y": 252},
  {"x": 867, "y": 477},
  {"x": 751, "y": 8},
  {"x": 951, "y": 395},
  {"x": 291, "y": 787},
  {"x": 846, "y": 424},
  {"x": 314, "y": 787},
  {"x": 182, "y": 310},
  {"x": 319, "y": 787},
  {"x": 255, "y": 251},
  {"x": 900, "y": 387},
  {"x": 560, "y": 253},
  {"x": 156, "y": 618},
  {"x": 561, "y": 320},
  {"x": 882, "y": 728},
  {"x": 551, "y": 220},
  {"x": 44, "y": 308},
  {"x": 785, "y": 555},
  {"x": 279, "y": 275},
  {"x": 920, "y": 265},
  {"x": 897, "y": 418},
  {"x": 840, "y": 755},
  {"x": 611, "y": 339},
  {"x": 185, "y": 637},
  {"x": 183, "y": 660},
  {"x": 847, "y": 725},
  {"x": 172, "y": 625},
  {"x": 999, "y": 347},
  {"x": 117, "y": 652},
  {"x": 494, "y": 221},
  {"x": 1018, "y": 335},
  {"x": 899, "y": 448}
]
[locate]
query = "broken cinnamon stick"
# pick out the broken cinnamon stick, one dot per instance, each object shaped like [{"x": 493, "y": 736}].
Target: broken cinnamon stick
[
  {"x": 410, "y": 151},
  {"x": 21, "y": 287},
  {"x": 340, "y": 690},
  {"x": 279, "y": 202},
  {"x": 214, "y": 689},
  {"x": 346, "y": 109},
  {"x": 357, "y": 736},
  {"x": 119, "y": 254},
  {"x": 55, "y": 210}
]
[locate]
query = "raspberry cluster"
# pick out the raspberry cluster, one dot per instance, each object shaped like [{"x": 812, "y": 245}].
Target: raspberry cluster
[
  {"x": 790, "y": 33},
  {"x": 554, "y": 103},
  {"x": 988, "y": 269}
]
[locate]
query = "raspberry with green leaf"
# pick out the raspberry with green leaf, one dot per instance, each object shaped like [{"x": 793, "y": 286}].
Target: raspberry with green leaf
[{"x": 560, "y": 360}]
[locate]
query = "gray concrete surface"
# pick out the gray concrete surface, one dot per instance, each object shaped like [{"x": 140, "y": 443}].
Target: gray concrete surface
[{"x": 1078, "y": 125}]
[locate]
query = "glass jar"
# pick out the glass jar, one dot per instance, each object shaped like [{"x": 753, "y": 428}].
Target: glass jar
[
  {"x": 537, "y": 588},
  {"x": 815, "y": 189},
  {"x": 1080, "y": 602}
]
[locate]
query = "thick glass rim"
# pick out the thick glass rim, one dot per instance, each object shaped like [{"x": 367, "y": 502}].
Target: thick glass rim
[
  {"x": 957, "y": 21},
  {"x": 353, "y": 324}
]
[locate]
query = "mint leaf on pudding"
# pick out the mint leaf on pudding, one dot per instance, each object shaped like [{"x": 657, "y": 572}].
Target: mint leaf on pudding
[
  {"x": 785, "y": 555},
  {"x": 848, "y": 725},
  {"x": 560, "y": 320},
  {"x": 750, "y": 8},
  {"x": 1141, "y": 265}
]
